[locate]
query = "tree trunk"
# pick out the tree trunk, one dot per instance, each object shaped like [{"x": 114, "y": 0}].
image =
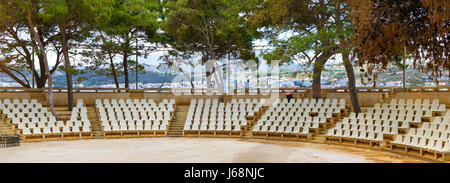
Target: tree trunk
[
  {"x": 316, "y": 88},
  {"x": 45, "y": 63},
  {"x": 192, "y": 77},
  {"x": 375, "y": 76},
  {"x": 351, "y": 84},
  {"x": 125, "y": 63},
  {"x": 137, "y": 64},
  {"x": 40, "y": 82},
  {"x": 113, "y": 70},
  {"x": 319, "y": 64},
  {"x": 68, "y": 68},
  {"x": 404, "y": 67}
]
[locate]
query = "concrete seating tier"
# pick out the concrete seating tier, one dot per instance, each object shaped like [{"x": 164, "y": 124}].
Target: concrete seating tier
[
  {"x": 135, "y": 117},
  {"x": 294, "y": 117},
  {"x": 432, "y": 137},
  {"x": 211, "y": 117},
  {"x": 34, "y": 121},
  {"x": 388, "y": 121}
]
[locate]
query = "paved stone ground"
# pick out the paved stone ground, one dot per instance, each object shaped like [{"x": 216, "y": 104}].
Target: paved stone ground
[{"x": 193, "y": 150}]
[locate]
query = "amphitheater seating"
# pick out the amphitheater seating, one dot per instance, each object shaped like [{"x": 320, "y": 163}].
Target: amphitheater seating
[
  {"x": 79, "y": 123},
  {"x": 431, "y": 137},
  {"x": 35, "y": 121},
  {"x": 297, "y": 117},
  {"x": 134, "y": 117},
  {"x": 212, "y": 117},
  {"x": 384, "y": 119}
]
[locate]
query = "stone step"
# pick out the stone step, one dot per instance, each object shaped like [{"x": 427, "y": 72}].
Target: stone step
[
  {"x": 174, "y": 135},
  {"x": 178, "y": 121}
]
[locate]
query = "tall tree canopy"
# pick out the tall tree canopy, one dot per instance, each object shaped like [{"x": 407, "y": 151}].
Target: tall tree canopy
[
  {"x": 308, "y": 30},
  {"x": 130, "y": 20},
  {"x": 312, "y": 28},
  {"x": 385, "y": 29},
  {"x": 213, "y": 28},
  {"x": 16, "y": 43},
  {"x": 73, "y": 20}
]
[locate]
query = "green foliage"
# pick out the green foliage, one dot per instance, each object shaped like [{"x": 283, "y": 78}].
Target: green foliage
[
  {"x": 214, "y": 28},
  {"x": 302, "y": 30}
]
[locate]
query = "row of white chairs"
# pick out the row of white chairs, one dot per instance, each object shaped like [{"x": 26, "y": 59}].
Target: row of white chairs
[
  {"x": 313, "y": 101},
  {"x": 355, "y": 135},
  {"x": 442, "y": 120},
  {"x": 56, "y": 130},
  {"x": 135, "y": 116},
  {"x": 21, "y": 107},
  {"x": 39, "y": 118},
  {"x": 31, "y": 119},
  {"x": 215, "y": 128},
  {"x": 213, "y": 111},
  {"x": 135, "y": 113},
  {"x": 366, "y": 129},
  {"x": 426, "y": 113},
  {"x": 431, "y": 136},
  {"x": 266, "y": 130},
  {"x": 220, "y": 113},
  {"x": 438, "y": 108},
  {"x": 378, "y": 122},
  {"x": 208, "y": 122},
  {"x": 302, "y": 118},
  {"x": 435, "y": 126},
  {"x": 133, "y": 128},
  {"x": 302, "y": 109},
  {"x": 79, "y": 112},
  {"x": 392, "y": 130},
  {"x": 103, "y": 117},
  {"x": 313, "y": 125},
  {"x": 423, "y": 143},
  {"x": 137, "y": 108},
  {"x": 137, "y": 122},
  {"x": 18, "y": 101},
  {"x": 233, "y": 101},
  {"x": 316, "y": 119},
  {"x": 279, "y": 116},
  {"x": 309, "y": 105},
  {"x": 399, "y": 117},
  {"x": 214, "y": 116},
  {"x": 53, "y": 124},
  {"x": 429, "y": 133},
  {"x": 25, "y": 113},
  {"x": 227, "y": 106},
  {"x": 410, "y": 101},
  {"x": 217, "y": 115},
  {"x": 133, "y": 101}
]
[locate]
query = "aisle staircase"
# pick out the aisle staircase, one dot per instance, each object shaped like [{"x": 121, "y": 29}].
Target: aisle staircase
[
  {"x": 5, "y": 128},
  {"x": 96, "y": 126},
  {"x": 40, "y": 97},
  {"x": 62, "y": 112},
  {"x": 247, "y": 133},
  {"x": 178, "y": 120}
]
